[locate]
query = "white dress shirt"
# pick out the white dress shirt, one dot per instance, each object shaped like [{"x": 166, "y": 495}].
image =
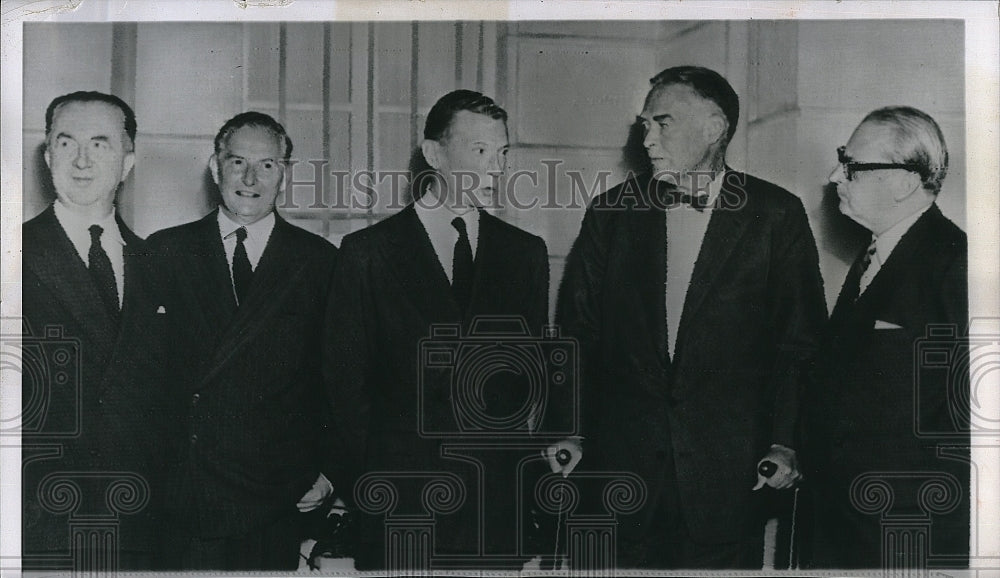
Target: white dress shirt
[
  {"x": 77, "y": 228},
  {"x": 686, "y": 228},
  {"x": 436, "y": 218},
  {"x": 257, "y": 235},
  {"x": 884, "y": 244}
]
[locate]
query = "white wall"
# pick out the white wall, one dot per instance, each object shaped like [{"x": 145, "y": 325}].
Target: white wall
[{"x": 356, "y": 95}]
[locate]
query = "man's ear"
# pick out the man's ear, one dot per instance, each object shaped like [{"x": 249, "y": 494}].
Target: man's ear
[
  {"x": 127, "y": 163},
  {"x": 213, "y": 167},
  {"x": 47, "y": 157},
  {"x": 715, "y": 128},
  {"x": 431, "y": 150},
  {"x": 909, "y": 183}
]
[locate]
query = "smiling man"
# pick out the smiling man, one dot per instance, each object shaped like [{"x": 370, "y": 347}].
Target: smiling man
[
  {"x": 442, "y": 260},
  {"x": 879, "y": 414},
  {"x": 85, "y": 289},
  {"x": 242, "y": 296},
  {"x": 695, "y": 294}
]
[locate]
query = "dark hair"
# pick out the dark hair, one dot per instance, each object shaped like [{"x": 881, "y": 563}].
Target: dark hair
[
  {"x": 93, "y": 96},
  {"x": 254, "y": 119},
  {"x": 709, "y": 85},
  {"x": 438, "y": 125},
  {"x": 917, "y": 141},
  {"x": 443, "y": 112}
]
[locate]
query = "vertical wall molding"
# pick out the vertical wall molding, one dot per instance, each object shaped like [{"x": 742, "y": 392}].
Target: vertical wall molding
[{"x": 124, "y": 45}]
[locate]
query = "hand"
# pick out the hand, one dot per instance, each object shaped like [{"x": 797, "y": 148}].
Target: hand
[
  {"x": 316, "y": 495},
  {"x": 574, "y": 446},
  {"x": 788, "y": 469}
]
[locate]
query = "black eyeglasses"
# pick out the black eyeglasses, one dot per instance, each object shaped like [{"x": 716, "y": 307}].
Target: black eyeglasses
[{"x": 851, "y": 167}]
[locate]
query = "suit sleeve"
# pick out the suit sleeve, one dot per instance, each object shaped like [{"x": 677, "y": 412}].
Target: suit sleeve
[
  {"x": 798, "y": 313},
  {"x": 578, "y": 316},
  {"x": 347, "y": 350}
]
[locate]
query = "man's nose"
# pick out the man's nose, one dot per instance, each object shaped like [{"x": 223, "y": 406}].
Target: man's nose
[
  {"x": 82, "y": 159},
  {"x": 249, "y": 176},
  {"x": 495, "y": 164},
  {"x": 648, "y": 140},
  {"x": 837, "y": 176}
]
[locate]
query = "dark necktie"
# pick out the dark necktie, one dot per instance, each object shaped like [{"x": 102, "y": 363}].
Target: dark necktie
[
  {"x": 102, "y": 273},
  {"x": 242, "y": 271},
  {"x": 461, "y": 273},
  {"x": 866, "y": 261}
]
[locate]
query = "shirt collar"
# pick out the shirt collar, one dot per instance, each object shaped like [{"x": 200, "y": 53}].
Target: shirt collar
[
  {"x": 441, "y": 215},
  {"x": 256, "y": 231},
  {"x": 78, "y": 226},
  {"x": 887, "y": 241}
]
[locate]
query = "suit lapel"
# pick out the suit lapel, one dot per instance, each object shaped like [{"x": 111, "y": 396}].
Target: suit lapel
[
  {"x": 415, "y": 265},
  {"x": 725, "y": 229},
  {"x": 648, "y": 247},
  {"x": 209, "y": 271},
  {"x": 905, "y": 258},
  {"x": 131, "y": 301},
  {"x": 273, "y": 277},
  {"x": 54, "y": 260}
]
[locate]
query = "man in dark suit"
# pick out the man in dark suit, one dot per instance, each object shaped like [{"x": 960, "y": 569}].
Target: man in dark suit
[
  {"x": 695, "y": 294},
  {"x": 880, "y": 415},
  {"x": 243, "y": 294},
  {"x": 92, "y": 407},
  {"x": 441, "y": 261}
]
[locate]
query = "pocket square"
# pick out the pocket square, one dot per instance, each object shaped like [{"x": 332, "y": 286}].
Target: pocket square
[
  {"x": 161, "y": 310},
  {"x": 879, "y": 324}
]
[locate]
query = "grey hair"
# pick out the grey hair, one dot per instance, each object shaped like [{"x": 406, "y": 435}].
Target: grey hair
[{"x": 918, "y": 141}]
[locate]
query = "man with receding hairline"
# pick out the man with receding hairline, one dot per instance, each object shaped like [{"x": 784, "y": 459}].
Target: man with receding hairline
[
  {"x": 880, "y": 419},
  {"x": 695, "y": 294},
  {"x": 86, "y": 281},
  {"x": 243, "y": 293}
]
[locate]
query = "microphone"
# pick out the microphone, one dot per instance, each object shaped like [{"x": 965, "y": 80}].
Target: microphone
[{"x": 563, "y": 457}]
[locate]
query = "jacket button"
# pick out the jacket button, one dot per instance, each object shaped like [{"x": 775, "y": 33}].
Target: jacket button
[
  {"x": 194, "y": 438},
  {"x": 100, "y": 401},
  {"x": 194, "y": 399}
]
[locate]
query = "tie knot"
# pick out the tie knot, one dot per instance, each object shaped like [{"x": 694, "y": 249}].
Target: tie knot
[
  {"x": 459, "y": 224},
  {"x": 95, "y": 233},
  {"x": 241, "y": 234}
]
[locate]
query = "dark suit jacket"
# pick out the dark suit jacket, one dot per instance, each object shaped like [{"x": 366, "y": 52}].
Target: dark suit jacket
[
  {"x": 94, "y": 416},
  {"x": 750, "y": 324},
  {"x": 870, "y": 383},
  {"x": 246, "y": 381},
  {"x": 389, "y": 290}
]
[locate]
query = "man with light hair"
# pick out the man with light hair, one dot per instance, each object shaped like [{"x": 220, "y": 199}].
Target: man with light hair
[{"x": 877, "y": 410}]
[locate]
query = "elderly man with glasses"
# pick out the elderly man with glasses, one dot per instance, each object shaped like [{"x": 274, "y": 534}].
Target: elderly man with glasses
[{"x": 887, "y": 434}]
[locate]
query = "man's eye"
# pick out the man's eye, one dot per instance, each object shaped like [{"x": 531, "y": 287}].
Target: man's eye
[
  {"x": 267, "y": 166},
  {"x": 98, "y": 145}
]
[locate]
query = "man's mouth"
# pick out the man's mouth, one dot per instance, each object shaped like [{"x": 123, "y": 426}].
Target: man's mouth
[
  {"x": 248, "y": 194},
  {"x": 83, "y": 180}
]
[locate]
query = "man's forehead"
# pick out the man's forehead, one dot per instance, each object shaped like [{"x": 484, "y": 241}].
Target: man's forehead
[
  {"x": 871, "y": 139},
  {"x": 253, "y": 141},
  {"x": 472, "y": 126},
  {"x": 91, "y": 116},
  {"x": 665, "y": 98}
]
